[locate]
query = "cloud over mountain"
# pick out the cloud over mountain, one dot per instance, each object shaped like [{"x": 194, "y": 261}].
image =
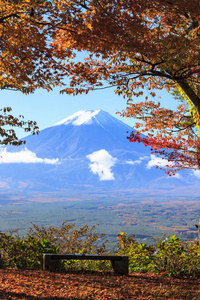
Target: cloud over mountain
[
  {"x": 157, "y": 161},
  {"x": 24, "y": 156},
  {"x": 101, "y": 164}
]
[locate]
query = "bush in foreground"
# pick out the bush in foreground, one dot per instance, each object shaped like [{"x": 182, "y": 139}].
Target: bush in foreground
[{"x": 170, "y": 254}]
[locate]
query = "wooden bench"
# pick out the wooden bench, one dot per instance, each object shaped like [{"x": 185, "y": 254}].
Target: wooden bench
[{"x": 119, "y": 263}]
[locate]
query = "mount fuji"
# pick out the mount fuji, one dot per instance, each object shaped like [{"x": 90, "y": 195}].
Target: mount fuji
[{"x": 88, "y": 151}]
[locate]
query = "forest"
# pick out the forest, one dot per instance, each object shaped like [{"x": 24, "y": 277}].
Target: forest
[{"x": 146, "y": 219}]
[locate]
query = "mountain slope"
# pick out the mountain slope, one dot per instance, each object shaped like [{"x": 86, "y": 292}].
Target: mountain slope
[{"x": 87, "y": 151}]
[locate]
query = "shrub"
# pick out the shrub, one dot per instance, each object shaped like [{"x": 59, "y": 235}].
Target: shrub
[
  {"x": 177, "y": 258},
  {"x": 170, "y": 254},
  {"x": 140, "y": 255},
  {"x": 27, "y": 252}
]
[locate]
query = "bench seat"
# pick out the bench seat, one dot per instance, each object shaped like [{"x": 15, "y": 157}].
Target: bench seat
[{"x": 119, "y": 263}]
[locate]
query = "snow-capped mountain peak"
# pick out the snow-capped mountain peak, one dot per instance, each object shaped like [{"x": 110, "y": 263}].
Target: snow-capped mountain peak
[{"x": 79, "y": 118}]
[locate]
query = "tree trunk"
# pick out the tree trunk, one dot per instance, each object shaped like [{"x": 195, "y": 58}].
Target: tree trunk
[{"x": 190, "y": 93}]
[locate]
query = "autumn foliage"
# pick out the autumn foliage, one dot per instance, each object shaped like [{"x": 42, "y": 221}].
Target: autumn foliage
[
  {"x": 27, "y": 62},
  {"x": 31, "y": 284},
  {"x": 26, "y": 30},
  {"x": 139, "y": 47},
  {"x": 7, "y": 127},
  {"x": 27, "y": 59}
]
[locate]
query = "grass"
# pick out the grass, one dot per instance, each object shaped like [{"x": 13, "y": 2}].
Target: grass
[{"x": 31, "y": 284}]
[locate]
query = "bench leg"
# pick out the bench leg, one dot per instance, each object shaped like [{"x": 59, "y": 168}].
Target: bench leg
[
  {"x": 120, "y": 266},
  {"x": 49, "y": 264},
  {"x": 1, "y": 259}
]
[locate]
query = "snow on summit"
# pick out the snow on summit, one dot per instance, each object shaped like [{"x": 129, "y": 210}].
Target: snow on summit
[{"x": 79, "y": 118}]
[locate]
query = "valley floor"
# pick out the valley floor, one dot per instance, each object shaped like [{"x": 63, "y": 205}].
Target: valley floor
[{"x": 29, "y": 284}]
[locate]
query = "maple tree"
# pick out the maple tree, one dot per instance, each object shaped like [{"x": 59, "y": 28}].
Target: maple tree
[
  {"x": 8, "y": 122},
  {"x": 140, "y": 46},
  {"x": 27, "y": 62}
]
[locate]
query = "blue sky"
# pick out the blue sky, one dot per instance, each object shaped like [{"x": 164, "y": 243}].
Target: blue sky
[{"x": 48, "y": 108}]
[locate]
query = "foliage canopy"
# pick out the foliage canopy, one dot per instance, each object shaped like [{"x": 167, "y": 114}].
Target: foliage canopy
[
  {"x": 135, "y": 46},
  {"x": 138, "y": 46}
]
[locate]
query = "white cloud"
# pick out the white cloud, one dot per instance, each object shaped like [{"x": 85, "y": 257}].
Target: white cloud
[
  {"x": 144, "y": 157},
  {"x": 137, "y": 161},
  {"x": 161, "y": 162},
  {"x": 158, "y": 161},
  {"x": 101, "y": 163},
  {"x": 197, "y": 173},
  {"x": 24, "y": 156},
  {"x": 133, "y": 162}
]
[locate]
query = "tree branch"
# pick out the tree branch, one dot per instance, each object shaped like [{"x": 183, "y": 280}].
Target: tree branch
[{"x": 9, "y": 16}]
